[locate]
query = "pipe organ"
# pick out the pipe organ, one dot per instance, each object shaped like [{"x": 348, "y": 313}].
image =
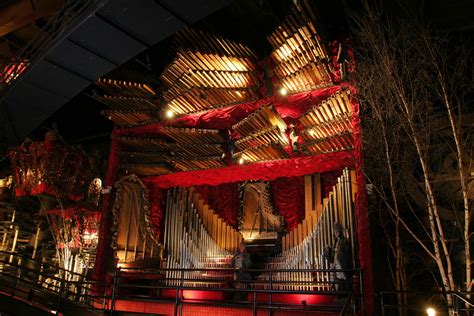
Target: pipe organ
[
  {"x": 196, "y": 237},
  {"x": 304, "y": 246},
  {"x": 209, "y": 72}
]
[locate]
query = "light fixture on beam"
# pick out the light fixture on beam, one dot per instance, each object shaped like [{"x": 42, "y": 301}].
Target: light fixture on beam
[
  {"x": 430, "y": 311},
  {"x": 169, "y": 114},
  {"x": 283, "y": 91}
]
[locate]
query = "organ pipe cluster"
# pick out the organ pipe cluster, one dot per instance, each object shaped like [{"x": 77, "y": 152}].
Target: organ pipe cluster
[
  {"x": 300, "y": 59},
  {"x": 130, "y": 103},
  {"x": 193, "y": 149},
  {"x": 208, "y": 72},
  {"x": 196, "y": 238},
  {"x": 262, "y": 136},
  {"x": 304, "y": 248},
  {"x": 328, "y": 126}
]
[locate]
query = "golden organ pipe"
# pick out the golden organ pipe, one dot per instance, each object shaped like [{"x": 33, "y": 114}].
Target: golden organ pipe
[
  {"x": 198, "y": 238},
  {"x": 303, "y": 247}
]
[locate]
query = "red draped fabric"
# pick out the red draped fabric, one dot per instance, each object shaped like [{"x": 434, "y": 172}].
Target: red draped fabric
[
  {"x": 289, "y": 107},
  {"x": 328, "y": 181},
  {"x": 157, "y": 199},
  {"x": 258, "y": 171},
  {"x": 223, "y": 199},
  {"x": 288, "y": 199}
]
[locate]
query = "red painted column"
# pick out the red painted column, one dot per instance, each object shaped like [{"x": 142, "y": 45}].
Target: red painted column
[
  {"x": 362, "y": 214},
  {"x": 103, "y": 246}
]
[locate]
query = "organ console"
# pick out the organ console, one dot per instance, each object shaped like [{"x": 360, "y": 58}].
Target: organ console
[{"x": 259, "y": 220}]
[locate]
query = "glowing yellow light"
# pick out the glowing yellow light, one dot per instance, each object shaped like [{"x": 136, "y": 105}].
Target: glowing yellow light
[
  {"x": 430, "y": 311},
  {"x": 169, "y": 114},
  {"x": 283, "y": 91},
  {"x": 241, "y": 161}
]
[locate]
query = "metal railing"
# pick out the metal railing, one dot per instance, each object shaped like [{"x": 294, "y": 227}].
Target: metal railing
[
  {"x": 417, "y": 302},
  {"x": 61, "y": 289},
  {"x": 46, "y": 285}
]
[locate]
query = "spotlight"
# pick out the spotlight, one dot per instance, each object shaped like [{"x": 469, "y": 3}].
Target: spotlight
[
  {"x": 169, "y": 114},
  {"x": 283, "y": 91},
  {"x": 430, "y": 311},
  {"x": 241, "y": 161}
]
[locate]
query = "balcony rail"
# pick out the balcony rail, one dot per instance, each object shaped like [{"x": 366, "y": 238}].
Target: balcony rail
[
  {"x": 55, "y": 288},
  {"x": 417, "y": 302}
]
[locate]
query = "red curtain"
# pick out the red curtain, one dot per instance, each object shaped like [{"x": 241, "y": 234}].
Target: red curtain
[
  {"x": 288, "y": 199},
  {"x": 223, "y": 199},
  {"x": 157, "y": 199},
  {"x": 328, "y": 181}
]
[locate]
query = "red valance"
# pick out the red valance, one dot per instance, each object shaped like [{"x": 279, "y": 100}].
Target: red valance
[
  {"x": 269, "y": 170},
  {"x": 289, "y": 107},
  {"x": 288, "y": 199}
]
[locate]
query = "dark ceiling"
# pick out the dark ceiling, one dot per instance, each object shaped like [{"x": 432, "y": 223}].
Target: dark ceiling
[{"x": 247, "y": 21}]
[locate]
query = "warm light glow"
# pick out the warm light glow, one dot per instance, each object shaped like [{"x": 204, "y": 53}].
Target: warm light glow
[
  {"x": 430, "y": 311},
  {"x": 89, "y": 236},
  {"x": 241, "y": 161},
  {"x": 122, "y": 265},
  {"x": 283, "y": 91},
  {"x": 6, "y": 182},
  {"x": 169, "y": 114}
]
